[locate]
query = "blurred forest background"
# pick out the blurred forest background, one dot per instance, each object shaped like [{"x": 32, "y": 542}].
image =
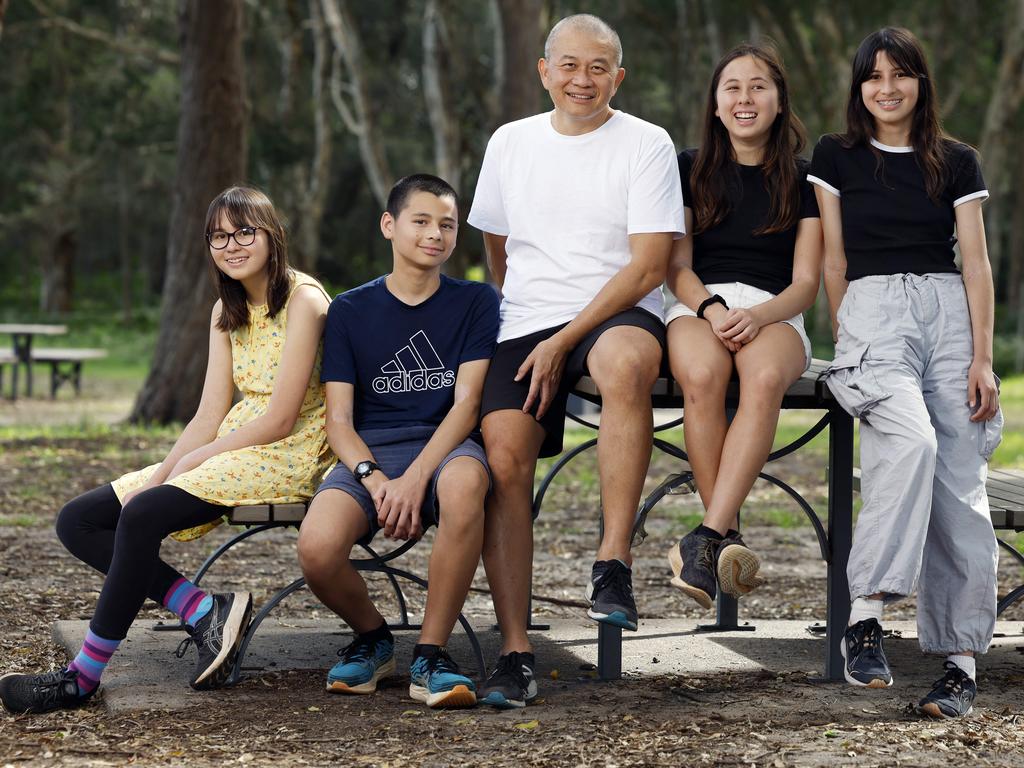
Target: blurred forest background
[{"x": 120, "y": 119}]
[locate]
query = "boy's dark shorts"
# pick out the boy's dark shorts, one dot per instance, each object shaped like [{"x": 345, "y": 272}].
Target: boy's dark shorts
[
  {"x": 394, "y": 450},
  {"x": 502, "y": 392}
]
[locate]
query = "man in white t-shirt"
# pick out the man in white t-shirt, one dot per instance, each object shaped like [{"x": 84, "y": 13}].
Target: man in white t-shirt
[{"x": 579, "y": 207}]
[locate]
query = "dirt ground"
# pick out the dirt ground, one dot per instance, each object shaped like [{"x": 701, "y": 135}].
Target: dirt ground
[{"x": 763, "y": 719}]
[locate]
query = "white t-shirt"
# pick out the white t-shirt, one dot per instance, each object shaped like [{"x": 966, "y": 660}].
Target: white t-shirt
[{"x": 568, "y": 205}]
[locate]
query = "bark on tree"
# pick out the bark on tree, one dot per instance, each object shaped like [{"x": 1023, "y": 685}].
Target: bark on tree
[
  {"x": 211, "y": 156},
  {"x": 3, "y": 11},
  {"x": 522, "y": 45},
  {"x": 444, "y": 121},
  {"x": 357, "y": 116}
]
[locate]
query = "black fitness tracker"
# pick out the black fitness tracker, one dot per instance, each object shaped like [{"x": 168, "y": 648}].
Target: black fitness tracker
[
  {"x": 364, "y": 469},
  {"x": 716, "y": 299}
]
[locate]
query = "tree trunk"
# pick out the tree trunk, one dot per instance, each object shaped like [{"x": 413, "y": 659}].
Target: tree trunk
[
  {"x": 58, "y": 280},
  {"x": 211, "y": 156},
  {"x": 522, "y": 46},
  {"x": 3, "y": 10}
]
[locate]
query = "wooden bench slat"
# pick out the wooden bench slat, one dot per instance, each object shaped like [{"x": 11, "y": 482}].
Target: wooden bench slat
[{"x": 58, "y": 354}]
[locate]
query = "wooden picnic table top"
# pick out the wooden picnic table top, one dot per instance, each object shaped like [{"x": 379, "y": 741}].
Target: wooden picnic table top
[
  {"x": 48, "y": 354},
  {"x": 35, "y": 329}
]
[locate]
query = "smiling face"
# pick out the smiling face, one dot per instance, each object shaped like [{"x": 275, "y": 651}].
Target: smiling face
[
  {"x": 581, "y": 75},
  {"x": 890, "y": 94},
  {"x": 241, "y": 262},
  {"x": 747, "y": 100},
  {"x": 423, "y": 234}
]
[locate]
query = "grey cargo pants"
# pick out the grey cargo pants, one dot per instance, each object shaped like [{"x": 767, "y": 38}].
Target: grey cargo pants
[{"x": 901, "y": 366}]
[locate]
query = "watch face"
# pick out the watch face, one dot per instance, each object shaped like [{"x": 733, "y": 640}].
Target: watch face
[{"x": 362, "y": 468}]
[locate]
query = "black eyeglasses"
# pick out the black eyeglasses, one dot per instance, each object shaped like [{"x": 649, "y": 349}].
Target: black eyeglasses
[{"x": 243, "y": 236}]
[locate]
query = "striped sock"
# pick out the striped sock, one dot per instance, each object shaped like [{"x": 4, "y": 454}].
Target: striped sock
[
  {"x": 188, "y": 601},
  {"x": 92, "y": 660}
]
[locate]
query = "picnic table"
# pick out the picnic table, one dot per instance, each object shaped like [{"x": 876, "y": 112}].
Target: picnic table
[
  {"x": 22, "y": 335},
  {"x": 834, "y": 536}
]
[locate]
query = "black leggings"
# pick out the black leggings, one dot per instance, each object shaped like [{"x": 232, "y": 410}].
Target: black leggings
[{"x": 124, "y": 543}]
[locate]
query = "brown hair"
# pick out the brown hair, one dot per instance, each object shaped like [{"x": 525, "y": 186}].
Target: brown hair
[
  {"x": 246, "y": 206},
  {"x": 926, "y": 135},
  {"x": 709, "y": 176}
]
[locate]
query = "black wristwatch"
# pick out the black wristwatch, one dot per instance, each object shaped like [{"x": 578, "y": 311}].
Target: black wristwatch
[
  {"x": 364, "y": 469},
  {"x": 716, "y": 299}
]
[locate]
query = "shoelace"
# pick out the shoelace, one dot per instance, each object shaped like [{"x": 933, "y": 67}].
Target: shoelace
[
  {"x": 512, "y": 665},
  {"x": 615, "y": 578},
  {"x": 953, "y": 681},
  {"x": 442, "y": 662},
  {"x": 706, "y": 556},
  {"x": 51, "y": 687},
  {"x": 357, "y": 650},
  {"x": 211, "y": 637}
]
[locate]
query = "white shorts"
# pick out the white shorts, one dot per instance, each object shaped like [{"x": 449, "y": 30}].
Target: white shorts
[{"x": 738, "y": 295}]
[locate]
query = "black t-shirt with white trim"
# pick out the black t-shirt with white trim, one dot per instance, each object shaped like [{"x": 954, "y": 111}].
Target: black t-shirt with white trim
[
  {"x": 890, "y": 225},
  {"x": 730, "y": 252}
]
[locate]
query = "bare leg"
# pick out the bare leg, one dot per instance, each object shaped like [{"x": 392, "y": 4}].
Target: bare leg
[
  {"x": 702, "y": 366},
  {"x": 461, "y": 488},
  {"x": 513, "y": 440},
  {"x": 766, "y": 366},
  {"x": 332, "y": 526},
  {"x": 624, "y": 364}
]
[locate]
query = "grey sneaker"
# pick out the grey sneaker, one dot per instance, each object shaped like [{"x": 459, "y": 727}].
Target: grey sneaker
[
  {"x": 866, "y": 664},
  {"x": 217, "y": 637},
  {"x": 737, "y": 567},
  {"x": 610, "y": 593},
  {"x": 693, "y": 567},
  {"x": 951, "y": 696}
]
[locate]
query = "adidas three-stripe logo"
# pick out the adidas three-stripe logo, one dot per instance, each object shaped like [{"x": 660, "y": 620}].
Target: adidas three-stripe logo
[{"x": 416, "y": 367}]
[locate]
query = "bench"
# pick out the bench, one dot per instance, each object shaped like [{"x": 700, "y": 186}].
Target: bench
[
  {"x": 263, "y": 517},
  {"x": 9, "y": 358},
  {"x": 834, "y": 535},
  {"x": 66, "y": 365}
]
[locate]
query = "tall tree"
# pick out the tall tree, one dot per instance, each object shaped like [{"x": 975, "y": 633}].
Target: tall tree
[
  {"x": 520, "y": 35},
  {"x": 211, "y": 156}
]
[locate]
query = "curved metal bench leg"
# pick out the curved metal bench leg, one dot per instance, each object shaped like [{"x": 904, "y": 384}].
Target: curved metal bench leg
[
  {"x": 1013, "y": 551},
  {"x": 542, "y": 489},
  {"x": 1010, "y": 599},
  {"x": 255, "y": 624}
]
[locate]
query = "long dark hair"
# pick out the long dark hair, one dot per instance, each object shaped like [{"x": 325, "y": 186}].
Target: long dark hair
[
  {"x": 246, "y": 206},
  {"x": 926, "y": 134},
  {"x": 710, "y": 174}
]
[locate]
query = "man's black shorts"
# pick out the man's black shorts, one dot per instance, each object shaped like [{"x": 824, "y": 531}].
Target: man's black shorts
[{"x": 503, "y": 392}]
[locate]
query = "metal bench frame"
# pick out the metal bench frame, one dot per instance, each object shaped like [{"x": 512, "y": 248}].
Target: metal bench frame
[
  {"x": 260, "y": 518},
  {"x": 835, "y": 536}
]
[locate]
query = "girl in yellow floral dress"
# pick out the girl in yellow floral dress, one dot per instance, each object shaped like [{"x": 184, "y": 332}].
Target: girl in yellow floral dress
[{"x": 269, "y": 447}]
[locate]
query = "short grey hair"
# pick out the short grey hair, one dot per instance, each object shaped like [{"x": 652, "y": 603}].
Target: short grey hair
[{"x": 590, "y": 24}]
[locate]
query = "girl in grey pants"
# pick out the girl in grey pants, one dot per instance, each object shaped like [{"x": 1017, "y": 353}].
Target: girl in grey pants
[{"x": 914, "y": 362}]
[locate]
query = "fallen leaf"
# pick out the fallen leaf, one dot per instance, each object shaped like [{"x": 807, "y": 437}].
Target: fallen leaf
[{"x": 527, "y": 726}]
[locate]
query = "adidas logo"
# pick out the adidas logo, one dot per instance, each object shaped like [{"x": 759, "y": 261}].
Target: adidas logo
[{"x": 414, "y": 368}]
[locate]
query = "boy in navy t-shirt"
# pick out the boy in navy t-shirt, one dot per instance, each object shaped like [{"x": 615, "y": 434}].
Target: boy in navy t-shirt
[{"x": 404, "y": 363}]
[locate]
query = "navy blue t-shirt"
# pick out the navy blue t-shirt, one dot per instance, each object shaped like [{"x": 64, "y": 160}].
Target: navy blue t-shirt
[{"x": 402, "y": 359}]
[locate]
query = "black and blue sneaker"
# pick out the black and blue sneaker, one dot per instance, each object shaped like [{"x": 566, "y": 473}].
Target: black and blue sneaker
[
  {"x": 363, "y": 664},
  {"x": 951, "y": 696},
  {"x": 610, "y": 593},
  {"x": 866, "y": 664},
  {"x": 217, "y": 637},
  {"x": 35, "y": 694},
  {"x": 511, "y": 684},
  {"x": 437, "y": 682}
]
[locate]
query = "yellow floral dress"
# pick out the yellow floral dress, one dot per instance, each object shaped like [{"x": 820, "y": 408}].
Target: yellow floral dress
[{"x": 278, "y": 473}]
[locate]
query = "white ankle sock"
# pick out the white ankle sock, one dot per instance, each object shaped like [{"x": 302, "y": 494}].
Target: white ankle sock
[
  {"x": 966, "y": 663},
  {"x": 865, "y": 608}
]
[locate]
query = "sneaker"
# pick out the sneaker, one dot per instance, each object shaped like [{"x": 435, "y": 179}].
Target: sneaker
[
  {"x": 437, "y": 682},
  {"x": 610, "y": 593},
  {"x": 951, "y": 696},
  {"x": 737, "y": 567},
  {"x": 512, "y": 683},
  {"x": 217, "y": 637},
  {"x": 363, "y": 663},
  {"x": 41, "y": 693},
  {"x": 693, "y": 567},
  {"x": 866, "y": 664}
]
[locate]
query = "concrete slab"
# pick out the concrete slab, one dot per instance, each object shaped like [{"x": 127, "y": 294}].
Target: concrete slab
[{"x": 146, "y": 675}]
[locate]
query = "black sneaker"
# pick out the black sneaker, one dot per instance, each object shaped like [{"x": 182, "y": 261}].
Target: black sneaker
[
  {"x": 737, "y": 567},
  {"x": 951, "y": 696},
  {"x": 693, "y": 567},
  {"x": 41, "y": 693},
  {"x": 511, "y": 684},
  {"x": 610, "y": 593},
  {"x": 217, "y": 637},
  {"x": 866, "y": 664}
]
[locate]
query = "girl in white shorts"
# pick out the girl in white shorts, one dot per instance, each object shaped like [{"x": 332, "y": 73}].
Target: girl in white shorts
[{"x": 742, "y": 280}]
